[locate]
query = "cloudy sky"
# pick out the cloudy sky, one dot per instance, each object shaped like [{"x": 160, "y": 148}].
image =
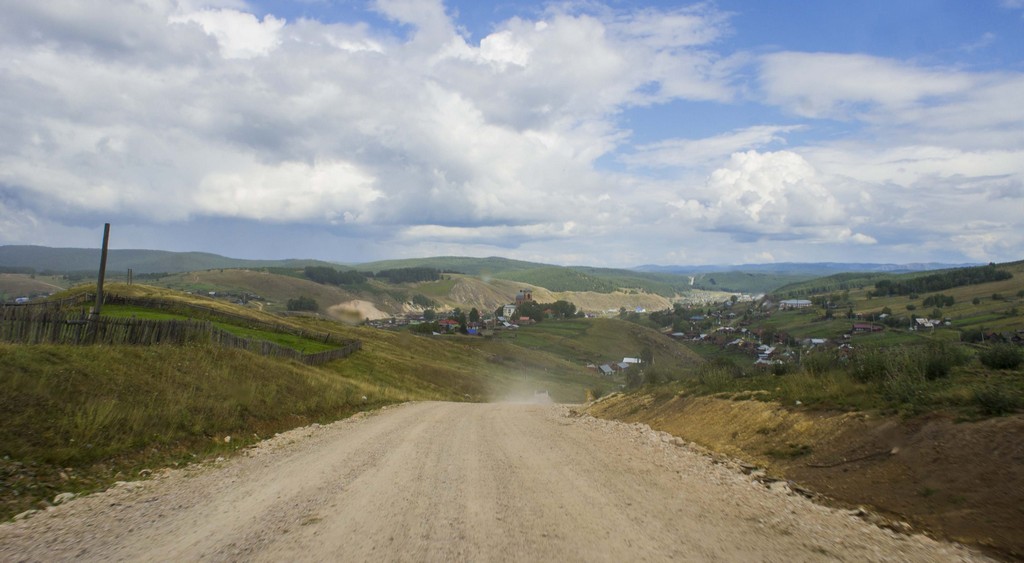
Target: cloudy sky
[{"x": 606, "y": 133}]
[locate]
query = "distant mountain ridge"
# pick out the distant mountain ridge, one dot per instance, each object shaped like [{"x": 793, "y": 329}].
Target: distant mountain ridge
[
  {"x": 65, "y": 260},
  {"x": 665, "y": 281},
  {"x": 804, "y": 268}
]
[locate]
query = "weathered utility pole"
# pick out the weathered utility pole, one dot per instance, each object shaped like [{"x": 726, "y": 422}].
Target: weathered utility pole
[{"x": 103, "y": 270}]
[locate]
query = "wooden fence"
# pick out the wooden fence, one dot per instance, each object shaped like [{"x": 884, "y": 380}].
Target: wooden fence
[{"x": 46, "y": 325}]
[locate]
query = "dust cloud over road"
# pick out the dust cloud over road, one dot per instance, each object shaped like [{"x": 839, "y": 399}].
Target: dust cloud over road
[{"x": 451, "y": 481}]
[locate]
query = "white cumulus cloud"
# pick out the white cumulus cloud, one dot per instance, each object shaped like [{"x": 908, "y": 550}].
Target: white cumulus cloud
[{"x": 240, "y": 35}]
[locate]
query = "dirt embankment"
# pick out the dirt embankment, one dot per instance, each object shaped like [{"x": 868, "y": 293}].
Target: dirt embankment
[{"x": 958, "y": 480}]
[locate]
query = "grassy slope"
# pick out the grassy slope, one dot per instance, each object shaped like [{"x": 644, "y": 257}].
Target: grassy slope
[
  {"x": 745, "y": 282},
  {"x": 990, "y": 314},
  {"x": 486, "y": 293},
  {"x": 604, "y": 340},
  {"x": 13, "y": 286},
  {"x": 97, "y": 414},
  {"x": 275, "y": 288},
  {"x": 596, "y": 280}
]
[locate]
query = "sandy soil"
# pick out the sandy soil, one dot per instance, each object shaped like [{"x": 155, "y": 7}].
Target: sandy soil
[{"x": 445, "y": 481}]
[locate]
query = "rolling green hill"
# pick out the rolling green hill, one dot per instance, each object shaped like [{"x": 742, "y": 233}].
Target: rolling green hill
[
  {"x": 747, "y": 282},
  {"x": 574, "y": 283},
  {"x": 66, "y": 260},
  {"x": 465, "y": 265},
  {"x": 835, "y": 282}
]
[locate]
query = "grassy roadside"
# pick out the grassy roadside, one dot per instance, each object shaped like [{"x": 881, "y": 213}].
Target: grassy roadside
[
  {"x": 77, "y": 418},
  {"x": 931, "y": 375}
]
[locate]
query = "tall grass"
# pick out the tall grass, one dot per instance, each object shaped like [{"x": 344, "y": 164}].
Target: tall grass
[
  {"x": 936, "y": 375},
  {"x": 63, "y": 404},
  {"x": 105, "y": 412}
]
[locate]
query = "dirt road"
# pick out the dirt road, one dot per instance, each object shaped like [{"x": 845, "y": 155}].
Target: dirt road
[{"x": 462, "y": 482}]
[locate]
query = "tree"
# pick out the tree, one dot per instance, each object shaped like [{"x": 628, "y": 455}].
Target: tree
[
  {"x": 563, "y": 309},
  {"x": 303, "y": 304},
  {"x": 460, "y": 316},
  {"x": 409, "y": 275},
  {"x": 328, "y": 275},
  {"x": 530, "y": 309},
  {"x": 429, "y": 315},
  {"x": 647, "y": 357},
  {"x": 425, "y": 328},
  {"x": 474, "y": 315}
]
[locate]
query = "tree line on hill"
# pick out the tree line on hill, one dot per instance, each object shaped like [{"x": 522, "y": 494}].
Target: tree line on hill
[
  {"x": 331, "y": 276},
  {"x": 940, "y": 281}
]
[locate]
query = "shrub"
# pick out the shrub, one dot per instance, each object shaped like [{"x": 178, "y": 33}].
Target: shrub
[
  {"x": 935, "y": 367},
  {"x": 1002, "y": 356},
  {"x": 937, "y": 359},
  {"x": 633, "y": 378},
  {"x": 715, "y": 380},
  {"x": 818, "y": 363},
  {"x": 972, "y": 335},
  {"x": 652, "y": 377},
  {"x": 905, "y": 390},
  {"x": 995, "y": 402},
  {"x": 719, "y": 374},
  {"x": 870, "y": 365},
  {"x": 725, "y": 365}
]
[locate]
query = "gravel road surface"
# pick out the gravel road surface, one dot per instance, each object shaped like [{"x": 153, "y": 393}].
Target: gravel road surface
[{"x": 460, "y": 482}]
